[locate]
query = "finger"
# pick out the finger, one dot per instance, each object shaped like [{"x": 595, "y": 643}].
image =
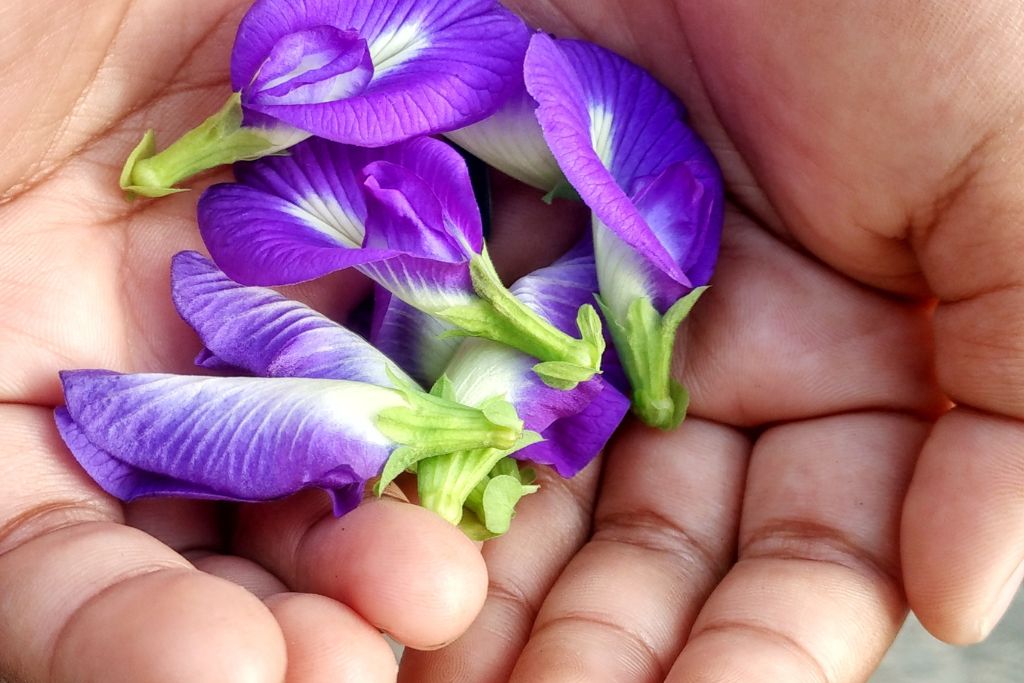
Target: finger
[
  {"x": 550, "y": 526},
  {"x": 815, "y": 595},
  {"x": 195, "y": 529},
  {"x": 664, "y": 534},
  {"x": 400, "y": 567},
  {"x": 963, "y": 528},
  {"x": 774, "y": 318},
  {"x": 329, "y": 643},
  {"x": 88, "y": 599}
]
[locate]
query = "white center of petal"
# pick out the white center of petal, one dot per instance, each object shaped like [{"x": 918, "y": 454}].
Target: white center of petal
[
  {"x": 391, "y": 49},
  {"x": 357, "y": 406},
  {"x": 512, "y": 141},
  {"x": 601, "y": 133},
  {"x": 621, "y": 273},
  {"x": 414, "y": 288},
  {"x": 309, "y": 62},
  {"x": 325, "y": 214},
  {"x": 483, "y": 369}
]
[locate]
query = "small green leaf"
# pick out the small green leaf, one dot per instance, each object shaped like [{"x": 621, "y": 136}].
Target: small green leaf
[
  {"x": 564, "y": 376},
  {"x": 443, "y": 388},
  {"x": 501, "y": 412},
  {"x": 401, "y": 460},
  {"x": 499, "y": 503},
  {"x": 645, "y": 341},
  {"x": 563, "y": 190}
]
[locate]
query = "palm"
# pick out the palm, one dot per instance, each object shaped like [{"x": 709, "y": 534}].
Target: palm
[
  {"x": 86, "y": 285},
  {"x": 762, "y": 540}
]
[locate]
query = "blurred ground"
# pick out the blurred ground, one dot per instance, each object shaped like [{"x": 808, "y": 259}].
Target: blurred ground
[{"x": 918, "y": 658}]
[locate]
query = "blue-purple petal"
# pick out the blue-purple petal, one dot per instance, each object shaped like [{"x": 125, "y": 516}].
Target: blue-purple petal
[
  {"x": 289, "y": 218},
  {"x": 413, "y": 339},
  {"x": 436, "y": 65},
  {"x": 261, "y": 332},
  {"x": 245, "y": 439},
  {"x": 482, "y": 369},
  {"x": 295, "y": 218},
  {"x": 615, "y": 131},
  {"x": 429, "y": 182},
  {"x": 556, "y": 292},
  {"x": 319, "y": 64},
  {"x": 511, "y": 141},
  {"x": 573, "y": 441}
]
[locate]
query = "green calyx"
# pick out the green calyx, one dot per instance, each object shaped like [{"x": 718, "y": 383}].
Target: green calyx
[
  {"x": 492, "y": 504},
  {"x": 563, "y": 190},
  {"x": 476, "y": 490},
  {"x": 220, "y": 139},
  {"x": 645, "y": 340},
  {"x": 433, "y": 424},
  {"x": 498, "y": 315}
]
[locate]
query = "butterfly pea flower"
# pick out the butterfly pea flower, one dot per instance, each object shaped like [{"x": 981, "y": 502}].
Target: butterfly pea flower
[
  {"x": 656, "y": 195},
  {"x": 328, "y": 412},
  {"x": 419, "y": 343},
  {"x": 406, "y": 216},
  {"x": 479, "y": 489},
  {"x": 511, "y": 141},
  {"x": 363, "y": 72}
]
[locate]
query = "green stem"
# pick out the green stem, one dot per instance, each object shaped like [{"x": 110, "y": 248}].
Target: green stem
[
  {"x": 220, "y": 139},
  {"x": 501, "y": 317},
  {"x": 645, "y": 341},
  {"x": 434, "y": 426},
  {"x": 446, "y": 481}
]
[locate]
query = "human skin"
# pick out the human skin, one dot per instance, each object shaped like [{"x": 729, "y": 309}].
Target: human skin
[{"x": 870, "y": 269}]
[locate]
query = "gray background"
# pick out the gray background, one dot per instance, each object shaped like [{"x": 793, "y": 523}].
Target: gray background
[{"x": 918, "y": 658}]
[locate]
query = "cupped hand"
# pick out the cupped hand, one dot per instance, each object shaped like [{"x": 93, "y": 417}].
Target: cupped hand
[
  {"x": 156, "y": 591},
  {"x": 870, "y": 277}
]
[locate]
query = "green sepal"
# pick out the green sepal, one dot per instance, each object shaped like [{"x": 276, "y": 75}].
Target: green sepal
[
  {"x": 589, "y": 323},
  {"x": 499, "y": 316},
  {"x": 443, "y": 388},
  {"x": 502, "y": 413},
  {"x": 445, "y": 482},
  {"x": 402, "y": 459},
  {"x": 491, "y": 506},
  {"x": 433, "y": 425},
  {"x": 220, "y": 139},
  {"x": 563, "y": 190},
  {"x": 645, "y": 341},
  {"x": 499, "y": 502},
  {"x": 564, "y": 376},
  {"x": 144, "y": 150}
]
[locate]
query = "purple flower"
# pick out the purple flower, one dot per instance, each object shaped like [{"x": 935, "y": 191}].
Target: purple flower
[
  {"x": 656, "y": 194},
  {"x": 511, "y": 140},
  {"x": 405, "y": 215},
  {"x": 330, "y": 411},
  {"x": 419, "y": 343},
  {"x": 374, "y": 72},
  {"x": 363, "y": 72},
  {"x": 574, "y": 424}
]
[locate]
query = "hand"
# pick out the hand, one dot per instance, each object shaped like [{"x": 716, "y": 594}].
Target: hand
[
  {"x": 150, "y": 592},
  {"x": 871, "y": 268}
]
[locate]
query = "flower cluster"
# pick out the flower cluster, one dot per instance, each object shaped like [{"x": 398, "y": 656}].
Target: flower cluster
[{"x": 465, "y": 379}]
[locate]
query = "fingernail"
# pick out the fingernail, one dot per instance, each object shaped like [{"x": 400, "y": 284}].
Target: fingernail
[
  {"x": 432, "y": 648},
  {"x": 1003, "y": 600}
]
